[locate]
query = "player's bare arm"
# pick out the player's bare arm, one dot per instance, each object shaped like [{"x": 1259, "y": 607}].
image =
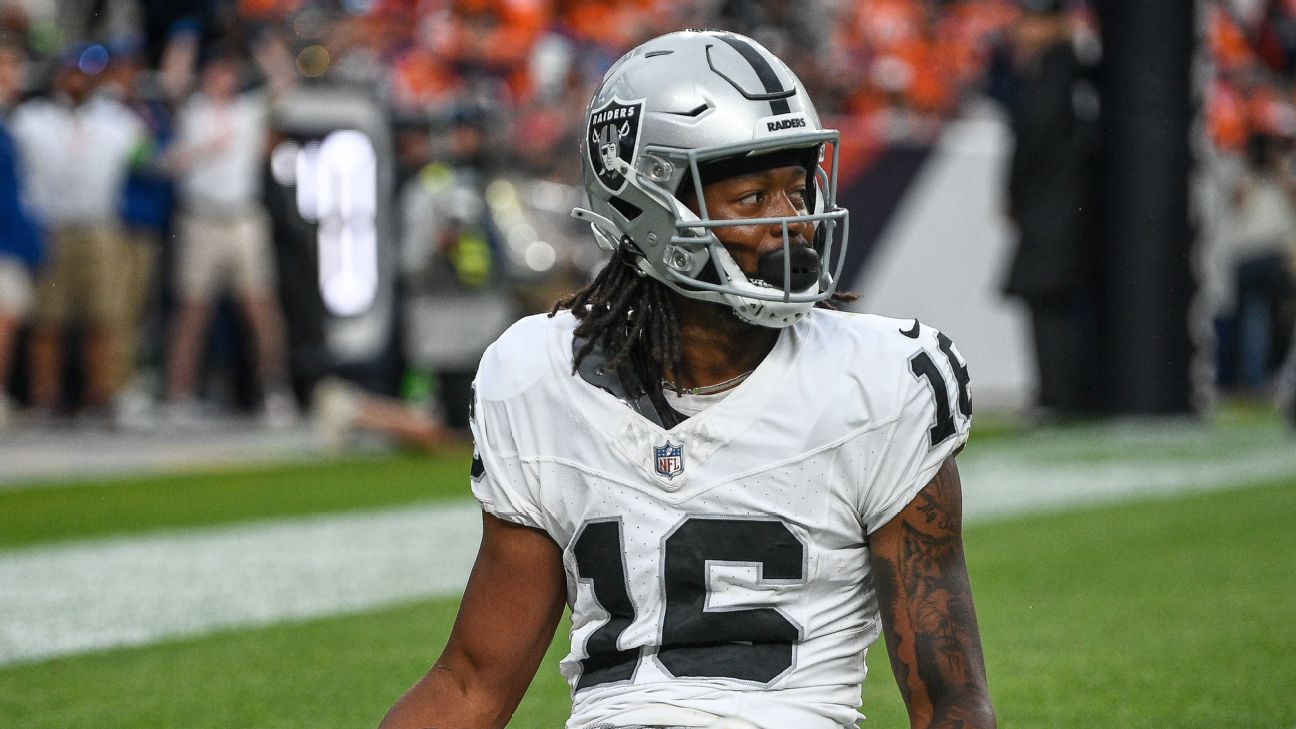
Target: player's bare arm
[
  {"x": 927, "y": 613},
  {"x": 510, "y": 609}
]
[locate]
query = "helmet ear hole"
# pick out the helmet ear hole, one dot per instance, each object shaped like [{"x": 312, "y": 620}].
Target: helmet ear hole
[
  {"x": 709, "y": 274},
  {"x": 628, "y": 210},
  {"x": 630, "y": 253}
]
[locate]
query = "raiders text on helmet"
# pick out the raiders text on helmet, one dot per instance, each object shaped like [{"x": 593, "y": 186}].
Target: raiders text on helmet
[{"x": 677, "y": 107}]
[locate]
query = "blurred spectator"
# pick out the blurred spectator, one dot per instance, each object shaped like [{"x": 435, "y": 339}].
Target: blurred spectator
[
  {"x": 547, "y": 250},
  {"x": 341, "y": 411},
  {"x": 224, "y": 238},
  {"x": 1251, "y": 119},
  {"x": 1050, "y": 189},
  {"x": 1263, "y": 250},
  {"x": 457, "y": 300},
  {"x": 466, "y": 50},
  {"x": 77, "y": 19},
  {"x": 900, "y": 65},
  {"x": 904, "y": 66},
  {"x": 610, "y": 27},
  {"x": 146, "y": 218},
  {"x": 76, "y": 147},
  {"x": 1285, "y": 383},
  {"x": 20, "y": 244}
]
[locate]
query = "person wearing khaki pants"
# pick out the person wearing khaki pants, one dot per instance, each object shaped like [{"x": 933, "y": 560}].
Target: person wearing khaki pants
[
  {"x": 141, "y": 248},
  {"x": 76, "y": 147},
  {"x": 224, "y": 236},
  {"x": 216, "y": 251},
  {"x": 82, "y": 282}
]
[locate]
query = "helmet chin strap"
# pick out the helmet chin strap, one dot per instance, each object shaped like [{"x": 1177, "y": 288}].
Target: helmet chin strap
[
  {"x": 774, "y": 314},
  {"x": 769, "y": 314}
]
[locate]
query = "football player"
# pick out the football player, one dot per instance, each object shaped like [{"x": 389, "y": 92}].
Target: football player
[{"x": 734, "y": 488}]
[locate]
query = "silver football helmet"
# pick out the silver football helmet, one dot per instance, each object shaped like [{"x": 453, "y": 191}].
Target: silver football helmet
[{"x": 671, "y": 111}]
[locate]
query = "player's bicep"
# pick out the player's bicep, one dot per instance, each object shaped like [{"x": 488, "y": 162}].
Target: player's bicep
[
  {"x": 919, "y": 571},
  {"x": 512, "y": 604}
]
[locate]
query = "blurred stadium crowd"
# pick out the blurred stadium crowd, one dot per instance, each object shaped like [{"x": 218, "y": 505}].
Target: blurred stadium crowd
[
  {"x": 149, "y": 176},
  {"x": 1250, "y": 171}
]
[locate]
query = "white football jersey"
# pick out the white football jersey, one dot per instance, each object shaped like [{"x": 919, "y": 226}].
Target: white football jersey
[{"x": 720, "y": 568}]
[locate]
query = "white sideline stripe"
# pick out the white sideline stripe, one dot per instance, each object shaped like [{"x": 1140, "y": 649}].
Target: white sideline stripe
[
  {"x": 996, "y": 485},
  {"x": 76, "y": 597},
  {"x": 53, "y": 457},
  {"x": 91, "y": 595}
]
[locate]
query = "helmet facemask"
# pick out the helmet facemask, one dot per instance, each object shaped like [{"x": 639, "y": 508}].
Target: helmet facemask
[{"x": 695, "y": 263}]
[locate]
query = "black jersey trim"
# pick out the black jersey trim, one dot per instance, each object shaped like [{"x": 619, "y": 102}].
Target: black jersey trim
[{"x": 623, "y": 383}]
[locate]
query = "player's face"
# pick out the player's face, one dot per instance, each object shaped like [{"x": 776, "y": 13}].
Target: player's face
[{"x": 780, "y": 191}]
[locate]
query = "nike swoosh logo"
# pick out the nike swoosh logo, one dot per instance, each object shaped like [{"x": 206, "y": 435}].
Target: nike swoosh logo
[{"x": 912, "y": 332}]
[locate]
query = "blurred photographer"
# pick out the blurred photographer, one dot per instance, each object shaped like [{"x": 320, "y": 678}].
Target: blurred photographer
[{"x": 1050, "y": 194}]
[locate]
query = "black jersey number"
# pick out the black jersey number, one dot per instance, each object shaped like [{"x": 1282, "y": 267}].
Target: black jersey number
[
  {"x": 598, "y": 559},
  {"x": 750, "y": 644},
  {"x": 921, "y": 365}
]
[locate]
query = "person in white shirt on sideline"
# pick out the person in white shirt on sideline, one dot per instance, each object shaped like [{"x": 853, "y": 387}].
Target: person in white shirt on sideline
[
  {"x": 76, "y": 147},
  {"x": 224, "y": 236}
]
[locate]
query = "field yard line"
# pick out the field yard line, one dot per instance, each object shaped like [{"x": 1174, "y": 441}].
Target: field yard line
[
  {"x": 90, "y": 595},
  {"x": 75, "y": 597}
]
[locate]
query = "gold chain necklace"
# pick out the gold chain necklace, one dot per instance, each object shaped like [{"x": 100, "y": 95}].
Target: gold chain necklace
[{"x": 708, "y": 389}]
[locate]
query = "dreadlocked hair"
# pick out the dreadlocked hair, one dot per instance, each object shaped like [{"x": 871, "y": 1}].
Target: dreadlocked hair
[
  {"x": 630, "y": 317},
  {"x": 838, "y": 297},
  {"x": 633, "y": 319}
]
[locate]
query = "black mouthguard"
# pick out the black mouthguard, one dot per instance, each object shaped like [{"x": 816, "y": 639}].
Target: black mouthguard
[{"x": 805, "y": 267}]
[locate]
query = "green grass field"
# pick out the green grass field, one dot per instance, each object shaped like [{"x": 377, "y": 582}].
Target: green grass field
[
  {"x": 81, "y": 510},
  {"x": 1177, "y": 612}
]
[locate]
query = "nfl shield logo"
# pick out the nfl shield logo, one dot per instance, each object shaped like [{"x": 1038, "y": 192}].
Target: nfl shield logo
[
  {"x": 670, "y": 460},
  {"x": 613, "y": 135}
]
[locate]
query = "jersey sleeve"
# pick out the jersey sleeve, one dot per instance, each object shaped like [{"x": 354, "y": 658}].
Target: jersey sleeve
[
  {"x": 500, "y": 481},
  {"x": 931, "y": 423}
]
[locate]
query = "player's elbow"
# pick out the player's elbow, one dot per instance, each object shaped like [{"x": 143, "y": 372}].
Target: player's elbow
[
  {"x": 971, "y": 710},
  {"x": 451, "y": 695},
  {"x": 983, "y": 714}
]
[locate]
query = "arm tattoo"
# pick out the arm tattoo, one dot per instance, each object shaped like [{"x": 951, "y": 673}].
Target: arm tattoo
[{"x": 922, "y": 587}]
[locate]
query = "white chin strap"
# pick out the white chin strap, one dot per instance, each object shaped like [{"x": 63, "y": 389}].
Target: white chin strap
[{"x": 773, "y": 314}]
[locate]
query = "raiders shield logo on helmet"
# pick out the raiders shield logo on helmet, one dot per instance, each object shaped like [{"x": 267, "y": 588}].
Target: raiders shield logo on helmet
[{"x": 613, "y": 133}]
